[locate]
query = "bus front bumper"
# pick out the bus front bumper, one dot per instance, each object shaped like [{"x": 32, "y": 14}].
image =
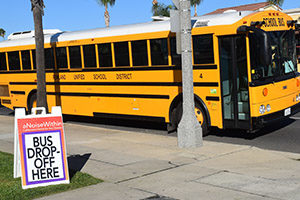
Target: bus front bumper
[{"x": 259, "y": 122}]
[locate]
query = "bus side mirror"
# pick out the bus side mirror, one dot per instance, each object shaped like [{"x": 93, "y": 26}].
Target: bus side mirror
[{"x": 263, "y": 44}]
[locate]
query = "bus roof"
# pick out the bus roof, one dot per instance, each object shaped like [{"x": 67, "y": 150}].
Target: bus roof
[{"x": 227, "y": 18}]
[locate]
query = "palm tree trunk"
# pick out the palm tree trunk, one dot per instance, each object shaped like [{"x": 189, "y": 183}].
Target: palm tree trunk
[
  {"x": 195, "y": 6},
  {"x": 106, "y": 16},
  {"x": 40, "y": 57}
]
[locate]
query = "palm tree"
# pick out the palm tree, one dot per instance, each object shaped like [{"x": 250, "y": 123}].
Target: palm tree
[
  {"x": 160, "y": 9},
  {"x": 105, "y": 3},
  {"x": 2, "y": 32},
  {"x": 276, "y": 2},
  {"x": 37, "y": 7},
  {"x": 154, "y": 6},
  {"x": 195, "y": 3}
]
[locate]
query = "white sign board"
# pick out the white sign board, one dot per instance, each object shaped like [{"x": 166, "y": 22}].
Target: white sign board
[{"x": 40, "y": 150}]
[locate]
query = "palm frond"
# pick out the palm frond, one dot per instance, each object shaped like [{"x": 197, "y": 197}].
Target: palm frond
[
  {"x": 106, "y": 2},
  {"x": 2, "y": 32},
  {"x": 276, "y": 2}
]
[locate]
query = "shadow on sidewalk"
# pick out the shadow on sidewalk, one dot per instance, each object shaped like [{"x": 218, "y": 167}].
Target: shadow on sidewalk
[
  {"x": 76, "y": 163},
  {"x": 6, "y": 111},
  {"x": 118, "y": 122}
]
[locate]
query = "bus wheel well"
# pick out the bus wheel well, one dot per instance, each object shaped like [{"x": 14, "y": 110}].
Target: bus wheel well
[
  {"x": 178, "y": 99},
  {"x": 204, "y": 107},
  {"x": 31, "y": 93}
]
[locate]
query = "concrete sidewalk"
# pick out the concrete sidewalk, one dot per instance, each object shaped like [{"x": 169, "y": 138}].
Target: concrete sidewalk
[{"x": 140, "y": 166}]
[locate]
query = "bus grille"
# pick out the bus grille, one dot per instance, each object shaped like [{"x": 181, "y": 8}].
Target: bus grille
[{"x": 5, "y": 101}]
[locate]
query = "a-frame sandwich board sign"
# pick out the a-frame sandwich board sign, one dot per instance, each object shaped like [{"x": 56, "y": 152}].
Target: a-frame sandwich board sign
[{"x": 40, "y": 155}]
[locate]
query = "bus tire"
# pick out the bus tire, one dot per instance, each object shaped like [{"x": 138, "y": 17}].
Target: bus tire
[
  {"x": 176, "y": 115},
  {"x": 32, "y": 102}
]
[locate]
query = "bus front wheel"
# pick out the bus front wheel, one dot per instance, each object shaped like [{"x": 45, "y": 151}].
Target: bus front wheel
[{"x": 176, "y": 115}]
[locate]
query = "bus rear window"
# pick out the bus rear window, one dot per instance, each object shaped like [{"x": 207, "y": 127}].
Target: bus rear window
[
  {"x": 203, "y": 49},
  {"x": 105, "y": 56},
  {"x": 159, "y": 51},
  {"x": 3, "y": 66},
  {"x": 26, "y": 62},
  {"x": 14, "y": 60}
]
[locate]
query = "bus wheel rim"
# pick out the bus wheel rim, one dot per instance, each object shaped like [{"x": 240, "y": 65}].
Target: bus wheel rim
[{"x": 199, "y": 115}]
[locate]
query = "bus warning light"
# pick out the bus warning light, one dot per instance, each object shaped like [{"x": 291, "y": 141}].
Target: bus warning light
[{"x": 265, "y": 91}]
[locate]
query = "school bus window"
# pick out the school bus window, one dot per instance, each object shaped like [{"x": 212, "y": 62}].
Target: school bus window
[
  {"x": 49, "y": 59},
  {"x": 75, "y": 57},
  {"x": 139, "y": 53},
  {"x": 298, "y": 45},
  {"x": 121, "y": 54},
  {"x": 176, "y": 58},
  {"x": 26, "y": 62},
  {"x": 159, "y": 51},
  {"x": 34, "y": 59},
  {"x": 61, "y": 57},
  {"x": 3, "y": 66},
  {"x": 105, "y": 57},
  {"x": 89, "y": 56},
  {"x": 203, "y": 49},
  {"x": 14, "y": 60}
]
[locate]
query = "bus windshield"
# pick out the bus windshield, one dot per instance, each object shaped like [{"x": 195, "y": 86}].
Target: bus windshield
[{"x": 282, "y": 44}]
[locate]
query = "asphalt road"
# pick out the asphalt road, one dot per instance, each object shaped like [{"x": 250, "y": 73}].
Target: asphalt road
[{"x": 281, "y": 136}]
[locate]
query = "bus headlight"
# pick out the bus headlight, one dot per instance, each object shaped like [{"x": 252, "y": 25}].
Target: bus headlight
[
  {"x": 298, "y": 97},
  {"x": 262, "y": 109},
  {"x": 268, "y": 108}
]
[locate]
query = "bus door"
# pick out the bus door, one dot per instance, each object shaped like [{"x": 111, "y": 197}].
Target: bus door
[{"x": 234, "y": 81}]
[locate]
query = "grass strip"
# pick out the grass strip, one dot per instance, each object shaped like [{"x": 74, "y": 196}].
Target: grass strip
[{"x": 11, "y": 188}]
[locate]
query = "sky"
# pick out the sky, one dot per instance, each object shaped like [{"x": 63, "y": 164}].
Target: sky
[{"x": 71, "y": 15}]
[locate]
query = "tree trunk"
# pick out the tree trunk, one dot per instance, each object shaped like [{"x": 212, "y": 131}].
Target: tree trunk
[
  {"x": 195, "y": 6},
  {"x": 40, "y": 58},
  {"x": 106, "y": 16}
]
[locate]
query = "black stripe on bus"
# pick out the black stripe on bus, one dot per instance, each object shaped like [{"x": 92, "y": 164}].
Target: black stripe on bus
[
  {"x": 117, "y": 69},
  {"x": 196, "y": 84},
  {"x": 144, "y": 96},
  {"x": 206, "y": 67},
  {"x": 129, "y": 117},
  {"x": 212, "y": 98},
  {"x": 17, "y": 92},
  {"x": 206, "y": 84}
]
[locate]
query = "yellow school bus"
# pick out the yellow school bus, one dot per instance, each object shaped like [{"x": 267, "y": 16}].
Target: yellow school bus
[
  {"x": 298, "y": 44},
  {"x": 244, "y": 71}
]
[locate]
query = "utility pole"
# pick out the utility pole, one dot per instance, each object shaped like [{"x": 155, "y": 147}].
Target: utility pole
[{"x": 189, "y": 130}]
